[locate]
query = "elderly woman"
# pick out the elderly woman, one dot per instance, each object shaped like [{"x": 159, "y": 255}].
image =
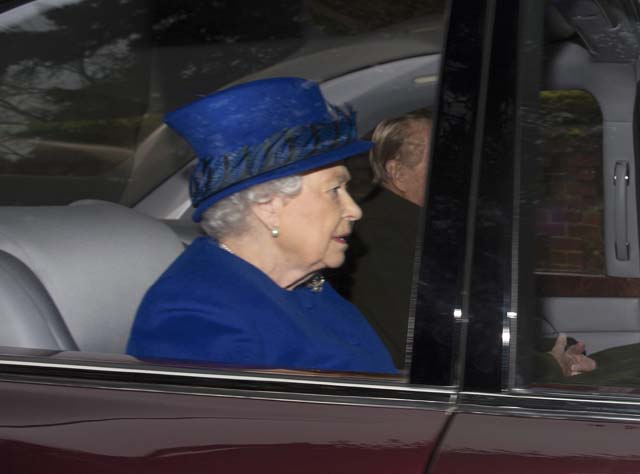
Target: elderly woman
[{"x": 271, "y": 194}]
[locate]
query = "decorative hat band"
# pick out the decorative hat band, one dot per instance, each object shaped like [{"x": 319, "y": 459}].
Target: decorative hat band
[{"x": 214, "y": 174}]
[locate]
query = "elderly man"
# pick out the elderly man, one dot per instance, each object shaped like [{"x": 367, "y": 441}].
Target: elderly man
[{"x": 381, "y": 264}]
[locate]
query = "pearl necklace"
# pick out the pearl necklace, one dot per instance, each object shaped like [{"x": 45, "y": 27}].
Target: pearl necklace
[
  {"x": 224, "y": 247},
  {"x": 314, "y": 283}
]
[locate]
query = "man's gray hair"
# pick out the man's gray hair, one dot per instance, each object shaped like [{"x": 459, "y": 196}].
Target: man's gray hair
[
  {"x": 392, "y": 140},
  {"x": 229, "y": 216}
]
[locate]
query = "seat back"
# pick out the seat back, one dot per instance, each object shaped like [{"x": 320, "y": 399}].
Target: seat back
[
  {"x": 89, "y": 265},
  {"x": 28, "y": 315}
]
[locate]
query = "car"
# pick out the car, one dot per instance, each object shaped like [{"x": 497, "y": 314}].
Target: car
[{"x": 530, "y": 229}]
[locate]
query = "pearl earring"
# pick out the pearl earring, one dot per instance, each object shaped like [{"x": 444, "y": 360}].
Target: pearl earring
[{"x": 275, "y": 232}]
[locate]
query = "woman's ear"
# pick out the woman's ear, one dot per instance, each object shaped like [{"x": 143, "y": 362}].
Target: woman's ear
[{"x": 268, "y": 213}]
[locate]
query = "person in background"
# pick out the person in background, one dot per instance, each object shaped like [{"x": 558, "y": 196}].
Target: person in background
[
  {"x": 381, "y": 264},
  {"x": 270, "y": 191}
]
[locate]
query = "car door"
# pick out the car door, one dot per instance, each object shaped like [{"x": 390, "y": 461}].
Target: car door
[
  {"x": 74, "y": 423},
  {"x": 551, "y": 234}
]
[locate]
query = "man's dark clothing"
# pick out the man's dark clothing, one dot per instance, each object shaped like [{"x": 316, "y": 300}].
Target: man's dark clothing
[{"x": 380, "y": 267}]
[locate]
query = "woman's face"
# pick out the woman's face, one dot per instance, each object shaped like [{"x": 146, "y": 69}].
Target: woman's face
[{"x": 314, "y": 225}]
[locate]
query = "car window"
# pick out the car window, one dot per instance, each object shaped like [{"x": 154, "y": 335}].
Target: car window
[
  {"x": 574, "y": 244},
  {"x": 72, "y": 113},
  {"x": 570, "y": 215},
  {"x": 86, "y": 125},
  {"x": 80, "y": 118}
]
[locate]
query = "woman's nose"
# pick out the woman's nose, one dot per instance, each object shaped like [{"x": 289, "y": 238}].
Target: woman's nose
[{"x": 352, "y": 210}]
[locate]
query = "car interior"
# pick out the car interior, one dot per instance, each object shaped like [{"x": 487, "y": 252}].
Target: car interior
[
  {"x": 76, "y": 286},
  {"x": 61, "y": 264},
  {"x": 594, "y": 49},
  {"x": 98, "y": 258}
]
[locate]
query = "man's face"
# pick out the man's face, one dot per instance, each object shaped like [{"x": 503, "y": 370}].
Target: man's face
[
  {"x": 415, "y": 180},
  {"x": 409, "y": 180}
]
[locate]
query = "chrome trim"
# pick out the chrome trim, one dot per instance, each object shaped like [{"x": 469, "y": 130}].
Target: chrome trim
[
  {"x": 564, "y": 397},
  {"x": 297, "y": 387},
  {"x": 554, "y": 405},
  {"x": 522, "y": 402},
  {"x": 443, "y": 405},
  {"x": 214, "y": 376},
  {"x": 554, "y": 414}
]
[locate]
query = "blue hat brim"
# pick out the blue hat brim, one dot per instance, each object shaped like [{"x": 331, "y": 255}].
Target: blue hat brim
[{"x": 318, "y": 161}]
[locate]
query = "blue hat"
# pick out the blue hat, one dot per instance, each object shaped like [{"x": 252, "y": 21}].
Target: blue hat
[{"x": 261, "y": 130}]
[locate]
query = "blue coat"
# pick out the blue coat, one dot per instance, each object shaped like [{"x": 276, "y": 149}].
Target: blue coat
[{"x": 212, "y": 306}]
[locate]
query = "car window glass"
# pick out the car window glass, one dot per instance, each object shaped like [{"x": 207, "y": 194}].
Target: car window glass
[
  {"x": 85, "y": 123},
  {"x": 72, "y": 112},
  {"x": 80, "y": 118},
  {"x": 569, "y": 220},
  {"x": 576, "y": 218}
]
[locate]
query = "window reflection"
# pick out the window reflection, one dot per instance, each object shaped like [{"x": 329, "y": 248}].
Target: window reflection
[
  {"x": 577, "y": 298},
  {"x": 79, "y": 117},
  {"x": 569, "y": 221}
]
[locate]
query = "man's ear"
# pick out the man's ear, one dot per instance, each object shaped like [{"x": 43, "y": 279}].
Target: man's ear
[
  {"x": 268, "y": 213},
  {"x": 396, "y": 174}
]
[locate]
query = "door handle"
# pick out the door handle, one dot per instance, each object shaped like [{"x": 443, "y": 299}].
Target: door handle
[{"x": 621, "y": 191}]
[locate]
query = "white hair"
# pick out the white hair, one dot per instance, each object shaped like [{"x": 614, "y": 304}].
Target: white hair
[
  {"x": 229, "y": 215},
  {"x": 396, "y": 139}
]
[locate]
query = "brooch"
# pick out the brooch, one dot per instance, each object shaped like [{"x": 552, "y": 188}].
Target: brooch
[{"x": 315, "y": 283}]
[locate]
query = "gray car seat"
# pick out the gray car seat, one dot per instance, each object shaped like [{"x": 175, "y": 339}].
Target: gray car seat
[
  {"x": 72, "y": 277},
  {"x": 28, "y": 315}
]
